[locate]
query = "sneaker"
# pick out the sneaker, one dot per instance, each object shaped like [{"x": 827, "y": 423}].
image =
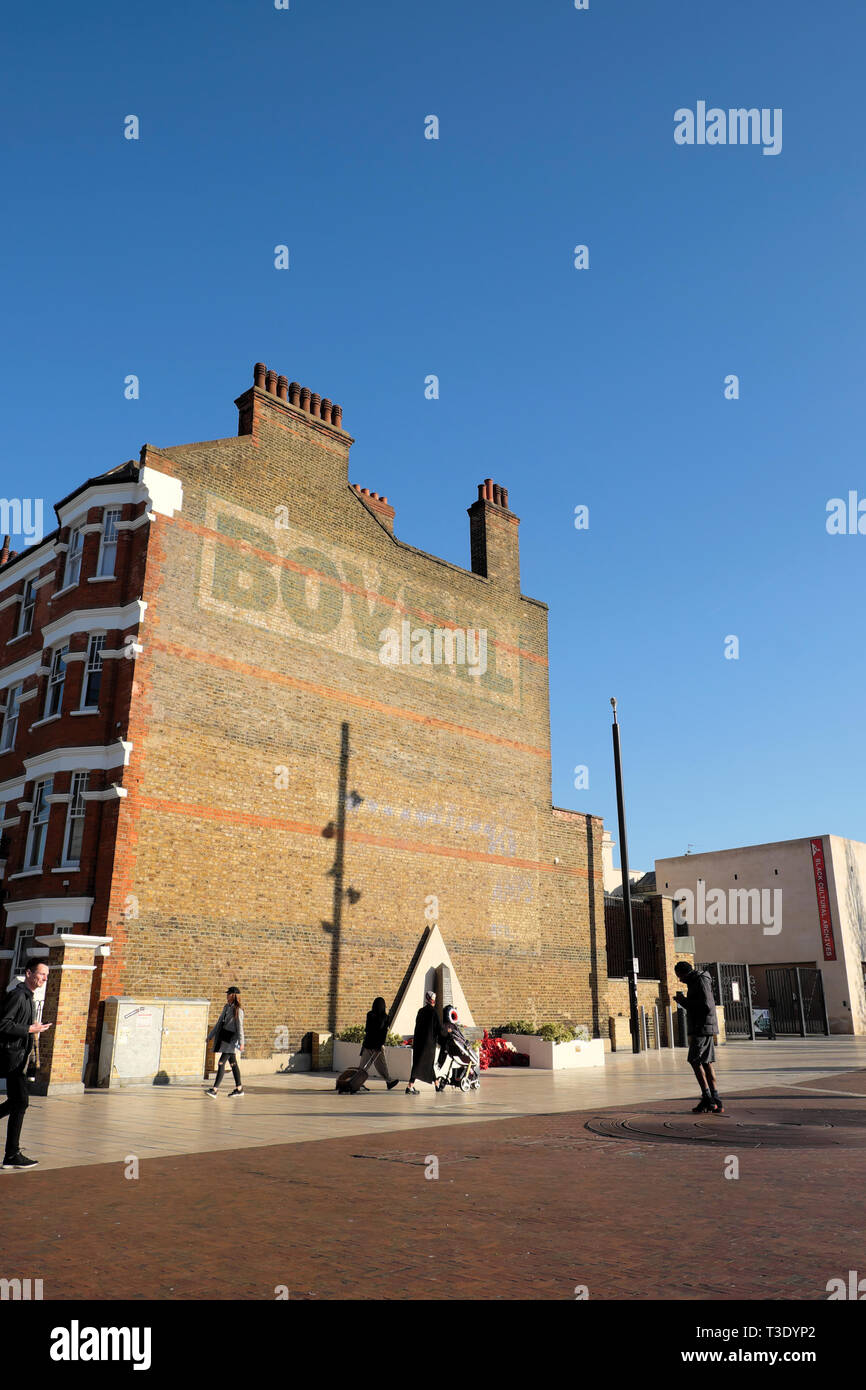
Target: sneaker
[
  {"x": 411, "y": 1090},
  {"x": 212, "y": 1091},
  {"x": 717, "y": 1108},
  {"x": 703, "y": 1107},
  {"x": 391, "y": 1084},
  {"x": 19, "y": 1161},
  {"x": 238, "y": 1091}
]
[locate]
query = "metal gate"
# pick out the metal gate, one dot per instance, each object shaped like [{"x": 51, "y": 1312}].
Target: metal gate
[
  {"x": 732, "y": 990},
  {"x": 796, "y": 995}
]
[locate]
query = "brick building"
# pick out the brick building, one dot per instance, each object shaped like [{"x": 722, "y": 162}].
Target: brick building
[{"x": 216, "y": 768}]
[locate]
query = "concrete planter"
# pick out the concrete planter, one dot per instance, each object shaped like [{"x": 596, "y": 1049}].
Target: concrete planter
[
  {"x": 551, "y": 1056},
  {"x": 399, "y": 1060}
]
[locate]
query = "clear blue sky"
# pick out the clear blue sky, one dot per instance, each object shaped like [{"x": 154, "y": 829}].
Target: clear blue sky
[{"x": 409, "y": 257}]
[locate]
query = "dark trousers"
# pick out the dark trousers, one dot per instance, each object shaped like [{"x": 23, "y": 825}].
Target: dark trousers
[
  {"x": 236, "y": 1071},
  {"x": 15, "y": 1105}
]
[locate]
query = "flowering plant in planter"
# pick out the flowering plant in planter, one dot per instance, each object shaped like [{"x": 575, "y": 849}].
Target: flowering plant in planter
[{"x": 496, "y": 1052}]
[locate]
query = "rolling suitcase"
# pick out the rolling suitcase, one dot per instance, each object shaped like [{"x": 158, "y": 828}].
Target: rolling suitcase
[{"x": 350, "y": 1081}]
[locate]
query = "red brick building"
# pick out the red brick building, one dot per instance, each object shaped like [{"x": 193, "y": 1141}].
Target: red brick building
[{"x": 212, "y": 771}]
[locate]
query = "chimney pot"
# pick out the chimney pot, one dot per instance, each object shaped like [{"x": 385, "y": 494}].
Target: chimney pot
[
  {"x": 294, "y": 393},
  {"x": 315, "y": 404},
  {"x": 337, "y": 416},
  {"x": 305, "y": 398},
  {"x": 271, "y": 382},
  {"x": 326, "y": 410},
  {"x": 4, "y": 553},
  {"x": 505, "y": 498},
  {"x": 259, "y": 371},
  {"x": 282, "y": 387},
  {"x": 497, "y": 494}
]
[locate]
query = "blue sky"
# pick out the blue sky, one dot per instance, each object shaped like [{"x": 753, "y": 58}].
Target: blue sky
[{"x": 602, "y": 387}]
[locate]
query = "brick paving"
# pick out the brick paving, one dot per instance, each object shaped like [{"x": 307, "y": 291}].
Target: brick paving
[{"x": 523, "y": 1208}]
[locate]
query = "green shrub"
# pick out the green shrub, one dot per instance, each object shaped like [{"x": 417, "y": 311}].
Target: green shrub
[
  {"x": 563, "y": 1032},
  {"x": 394, "y": 1040},
  {"x": 521, "y": 1025}
]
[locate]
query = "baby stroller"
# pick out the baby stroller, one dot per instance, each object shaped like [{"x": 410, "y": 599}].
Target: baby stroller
[{"x": 458, "y": 1064}]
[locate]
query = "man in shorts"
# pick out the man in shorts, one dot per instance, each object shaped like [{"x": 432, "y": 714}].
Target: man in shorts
[{"x": 700, "y": 1007}]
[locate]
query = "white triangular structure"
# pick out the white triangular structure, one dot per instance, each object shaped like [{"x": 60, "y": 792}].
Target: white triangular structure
[{"x": 423, "y": 977}]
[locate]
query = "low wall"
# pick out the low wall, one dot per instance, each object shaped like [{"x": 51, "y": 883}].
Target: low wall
[
  {"x": 551, "y": 1056},
  {"x": 399, "y": 1060}
]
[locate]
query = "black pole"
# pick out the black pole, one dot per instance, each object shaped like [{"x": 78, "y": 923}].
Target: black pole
[{"x": 626, "y": 889}]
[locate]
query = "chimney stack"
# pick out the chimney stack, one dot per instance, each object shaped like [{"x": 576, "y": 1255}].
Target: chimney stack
[
  {"x": 379, "y": 506},
  {"x": 271, "y": 392},
  {"x": 493, "y": 536}
]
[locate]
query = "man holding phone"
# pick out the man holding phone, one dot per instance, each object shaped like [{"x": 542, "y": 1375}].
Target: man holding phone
[
  {"x": 17, "y": 1031},
  {"x": 700, "y": 1007}
]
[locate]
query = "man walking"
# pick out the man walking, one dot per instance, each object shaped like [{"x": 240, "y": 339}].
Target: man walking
[
  {"x": 700, "y": 1007},
  {"x": 17, "y": 1030}
]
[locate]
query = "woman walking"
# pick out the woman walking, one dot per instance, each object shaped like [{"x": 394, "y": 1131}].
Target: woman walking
[
  {"x": 428, "y": 1033},
  {"x": 228, "y": 1036},
  {"x": 375, "y": 1033}
]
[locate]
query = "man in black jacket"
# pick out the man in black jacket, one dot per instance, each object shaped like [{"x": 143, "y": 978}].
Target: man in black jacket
[
  {"x": 17, "y": 1030},
  {"x": 700, "y": 1007}
]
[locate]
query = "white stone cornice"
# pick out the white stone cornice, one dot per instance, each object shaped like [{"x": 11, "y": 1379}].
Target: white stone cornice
[
  {"x": 94, "y": 620},
  {"x": 8, "y": 602},
  {"x": 105, "y": 494},
  {"x": 44, "y": 912},
  {"x": 67, "y": 938},
  {"x": 136, "y": 521},
  {"x": 90, "y": 526},
  {"x": 163, "y": 493},
  {"x": 92, "y": 758},
  {"x": 112, "y": 793}
]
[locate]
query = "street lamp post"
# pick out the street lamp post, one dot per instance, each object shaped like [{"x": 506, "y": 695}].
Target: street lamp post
[{"x": 626, "y": 889}]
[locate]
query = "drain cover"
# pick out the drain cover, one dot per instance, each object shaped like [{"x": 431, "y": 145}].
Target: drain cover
[{"x": 750, "y": 1129}]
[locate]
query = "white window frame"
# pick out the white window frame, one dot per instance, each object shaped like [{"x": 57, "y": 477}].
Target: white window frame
[
  {"x": 59, "y": 654},
  {"x": 75, "y": 815},
  {"x": 108, "y": 543},
  {"x": 19, "y": 960},
  {"x": 73, "y": 557},
  {"x": 95, "y": 647},
  {"x": 11, "y": 716},
  {"x": 37, "y": 830},
  {"x": 28, "y": 607}
]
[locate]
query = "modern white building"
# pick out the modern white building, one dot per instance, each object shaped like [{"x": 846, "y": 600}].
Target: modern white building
[{"x": 799, "y": 904}]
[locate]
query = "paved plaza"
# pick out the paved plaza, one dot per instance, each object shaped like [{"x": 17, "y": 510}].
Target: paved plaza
[{"x": 547, "y": 1183}]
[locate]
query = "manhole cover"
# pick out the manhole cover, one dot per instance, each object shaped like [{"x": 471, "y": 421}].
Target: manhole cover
[{"x": 838, "y": 1129}]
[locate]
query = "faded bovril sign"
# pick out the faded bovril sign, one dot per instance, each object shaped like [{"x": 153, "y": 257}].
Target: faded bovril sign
[{"x": 256, "y": 571}]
